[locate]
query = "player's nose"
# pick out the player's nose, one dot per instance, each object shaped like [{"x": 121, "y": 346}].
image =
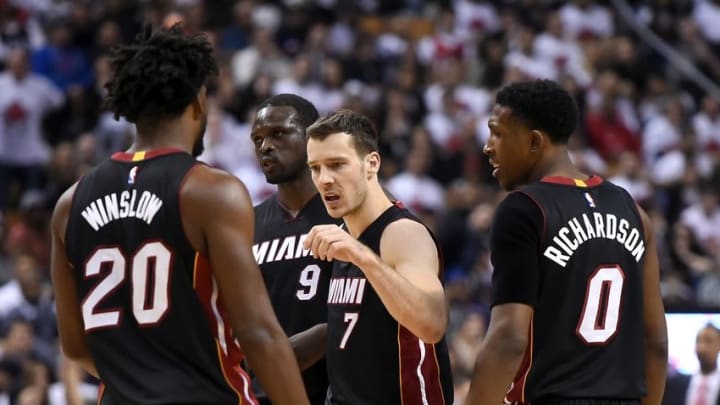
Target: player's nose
[
  {"x": 487, "y": 149},
  {"x": 266, "y": 145},
  {"x": 324, "y": 176}
]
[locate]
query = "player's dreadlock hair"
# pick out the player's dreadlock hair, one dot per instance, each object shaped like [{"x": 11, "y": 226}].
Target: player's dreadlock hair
[{"x": 160, "y": 75}]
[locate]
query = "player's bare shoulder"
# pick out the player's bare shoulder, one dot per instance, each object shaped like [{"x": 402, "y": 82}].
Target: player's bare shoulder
[
  {"x": 208, "y": 195},
  {"x": 208, "y": 185},
  {"x": 61, "y": 212},
  {"x": 404, "y": 237}
]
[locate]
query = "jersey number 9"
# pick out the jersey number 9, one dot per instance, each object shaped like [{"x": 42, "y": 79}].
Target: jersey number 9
[{"x": 309, "y": 279}]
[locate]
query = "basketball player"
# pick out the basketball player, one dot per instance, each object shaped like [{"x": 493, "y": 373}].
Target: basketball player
[
  {"x": 387, "y": 312},
  {"x": 577, "y": 316},
  {"x": 151, "y": 260},
  {"x": 296, "y": 281}
]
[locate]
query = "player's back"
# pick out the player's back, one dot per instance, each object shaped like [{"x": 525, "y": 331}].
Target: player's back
[
  {"x": 586, "y": 339},
  {"x": 153, "y": 320},
  {"x": 297, "y": 283}
]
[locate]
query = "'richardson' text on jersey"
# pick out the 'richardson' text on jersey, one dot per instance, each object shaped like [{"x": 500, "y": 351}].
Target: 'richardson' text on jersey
[
  {"x": 582, "y": 229},
  {"x": 109, "y": 208}
]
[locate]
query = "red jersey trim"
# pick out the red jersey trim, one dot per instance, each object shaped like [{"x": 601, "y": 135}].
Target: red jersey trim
[
  {"x": 230, "y": 355},
  {"x": 592, "y": 181},
  {"x": 144, "y": 155},
  {"x": 419, "y": 371},
  {"x": 101, "y": 392},
  {"x": 516, "y": 393}
]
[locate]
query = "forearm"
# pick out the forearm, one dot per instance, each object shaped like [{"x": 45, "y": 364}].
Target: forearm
[
  {"x": 72, "y": 393},
  {"x": 495, "y": 370},
  {"x": 655, "y": 372},
  {"x": 423, "y": 313},
  {"x": 273, "y": 362},
  {"x": 88, "y": 364},
  {"x": 309, "y": 345}
]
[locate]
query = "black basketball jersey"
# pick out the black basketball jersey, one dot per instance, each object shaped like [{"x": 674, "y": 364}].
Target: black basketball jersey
[
  {"x": 296, "y": 282},
  {"x": 372, "y": 359},
  {"x": 584, "y": 279},
  {"x": 153, "y": 320}
]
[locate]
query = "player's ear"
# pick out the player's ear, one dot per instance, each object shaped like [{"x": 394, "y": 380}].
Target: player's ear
[
  {"x": 372, "y": 160},
  {"x": 537, "y": 140},
  {"x": 199, "y": 105}
]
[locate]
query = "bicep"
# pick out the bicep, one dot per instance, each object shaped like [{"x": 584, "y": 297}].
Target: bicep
[
  {"x": 509, "y": 324},
  {"x": 228, "y": 234},
  {"x": 70, "y": 323},
  {"x": 420, "y": 265}
]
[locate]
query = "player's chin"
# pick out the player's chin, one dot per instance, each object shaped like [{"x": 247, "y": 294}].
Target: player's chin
[
  {"x": 508, "y": 184},
  {"x": 334, "y": 212}
]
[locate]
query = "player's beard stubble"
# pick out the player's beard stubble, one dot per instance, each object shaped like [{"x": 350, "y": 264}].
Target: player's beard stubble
[{"x": 291, "y": 173}]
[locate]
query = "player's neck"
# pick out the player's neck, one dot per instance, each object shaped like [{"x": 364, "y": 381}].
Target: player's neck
[
  {"x": 376, "y": 202},
  {"x": 169, "y": 134},
  {"x": 294, "y": 195},
  {"x": 556, "y": 163}
]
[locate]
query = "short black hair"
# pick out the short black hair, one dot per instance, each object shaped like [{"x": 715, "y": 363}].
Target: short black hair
[
  {"x": 358, "y": 126},
  {"x": 160, "y": 75},
  {"x": 306, "y": 111},
  {"x": 543, "y": 105}
]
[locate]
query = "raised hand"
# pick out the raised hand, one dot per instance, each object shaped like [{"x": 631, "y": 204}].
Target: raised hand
[{"x": 330, "y": 242}]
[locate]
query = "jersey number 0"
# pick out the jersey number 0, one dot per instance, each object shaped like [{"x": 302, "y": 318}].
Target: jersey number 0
[
  {"x": 601, "y": 309},
  {"x": 152, "y": 256}
]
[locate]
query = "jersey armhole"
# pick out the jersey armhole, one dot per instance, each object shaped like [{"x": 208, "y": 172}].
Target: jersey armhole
[{"x": 184, "y": 179}]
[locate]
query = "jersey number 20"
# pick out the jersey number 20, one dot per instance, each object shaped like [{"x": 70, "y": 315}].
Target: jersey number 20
[
  {"x": 147, "y": 310},
  {"x": 601, "y": 309}
]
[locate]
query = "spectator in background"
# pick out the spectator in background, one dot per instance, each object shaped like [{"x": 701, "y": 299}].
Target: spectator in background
[
  {"x": 584, "y": 18},
  {"x": 703, "y": 387},
  {"x": 24, "y": 99},
  {"x": 706, "y": 124},
  {"x": 706, "y": 14},
  {"x": 18, "y": 29},
  {"x": 631, "y": 176},
  {"x": 413, "y": 186},
  {"x": 28, "y": 297},
  {"x": 261, "y": 56},
  {"x": 703, "y": 218},
  {"x": 662, "y": 142},
  {"x": 30, "y": 233},
  {"x": 610, "y": 119},
  {"x": 237, "y": 35},
  {"x": 61, "y": 61}
]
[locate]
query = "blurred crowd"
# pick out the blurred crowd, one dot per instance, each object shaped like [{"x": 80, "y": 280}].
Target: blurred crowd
[{"x": 424, "y": 71}]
